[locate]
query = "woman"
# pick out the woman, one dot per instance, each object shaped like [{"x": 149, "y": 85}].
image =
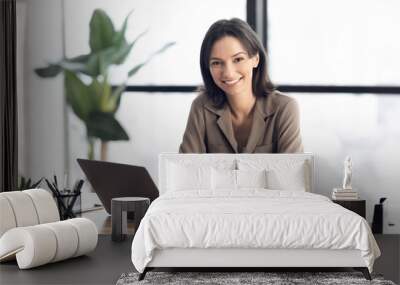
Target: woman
[{"x": 238, "y": 110}]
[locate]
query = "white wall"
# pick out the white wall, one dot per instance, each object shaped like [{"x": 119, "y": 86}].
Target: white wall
[
  {"x": 365, "y": 128},
  {"x": 42, "y": 132},
  {"x": 333, "y": 125}
]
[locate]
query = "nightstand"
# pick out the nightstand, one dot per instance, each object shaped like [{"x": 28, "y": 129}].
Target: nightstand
[{"x": 357, "y": 206}]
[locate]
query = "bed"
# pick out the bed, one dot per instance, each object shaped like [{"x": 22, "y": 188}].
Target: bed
[{"x": 245, "y": 211}]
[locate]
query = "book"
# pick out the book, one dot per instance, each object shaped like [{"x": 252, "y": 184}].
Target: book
[
  {"x": 345, "y": 194},
  {"x": 341, "y": 190},
  {"x": 345, "y": 197}
]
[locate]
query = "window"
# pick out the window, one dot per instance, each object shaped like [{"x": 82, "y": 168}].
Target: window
[
  {"x": 334, "y": 42},
  {"x": 181, "y": 21}
]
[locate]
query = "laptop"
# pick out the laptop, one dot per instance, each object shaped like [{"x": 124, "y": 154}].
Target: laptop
[{"x": 111, "y": 180}]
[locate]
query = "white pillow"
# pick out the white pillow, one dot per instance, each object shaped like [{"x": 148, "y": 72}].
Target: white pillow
[
  {"x": 227, "y": 179},
  {"x": 282, "y": 174},
  {"x": 182, "y": 177},
  {"x": 292, "y": 179},
  {"x": 223, "y": 179},
  {"x": 251, "y": 178}
]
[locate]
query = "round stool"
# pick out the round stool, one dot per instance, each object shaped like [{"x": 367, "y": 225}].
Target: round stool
[{"x": 119, "y": 209}]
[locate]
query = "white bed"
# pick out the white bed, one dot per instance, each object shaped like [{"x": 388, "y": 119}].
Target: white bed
[{"x": 202, "y": 220}]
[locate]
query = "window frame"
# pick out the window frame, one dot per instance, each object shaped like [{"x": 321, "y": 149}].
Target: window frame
[{"x": 257, "y": 18}]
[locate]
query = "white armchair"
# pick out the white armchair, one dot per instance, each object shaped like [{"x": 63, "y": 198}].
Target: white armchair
[{"x": 31, "y": 230}]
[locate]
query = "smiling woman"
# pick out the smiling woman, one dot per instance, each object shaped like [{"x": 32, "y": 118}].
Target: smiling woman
[{"x": 238, "y": 110}]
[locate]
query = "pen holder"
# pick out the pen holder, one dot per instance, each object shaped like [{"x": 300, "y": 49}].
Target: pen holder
[
  {"x": 68, "y": 201},
  {"x": 69, "y": 204}
]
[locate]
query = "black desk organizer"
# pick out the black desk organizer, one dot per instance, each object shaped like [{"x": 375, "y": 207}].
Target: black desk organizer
[{"x": 67, "y": 199}]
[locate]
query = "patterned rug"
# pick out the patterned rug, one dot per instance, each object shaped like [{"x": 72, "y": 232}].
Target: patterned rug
[{"x": 270, "y": 278}]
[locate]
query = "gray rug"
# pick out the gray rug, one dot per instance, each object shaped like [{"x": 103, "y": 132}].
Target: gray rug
[{"x": 228, "y": 278}]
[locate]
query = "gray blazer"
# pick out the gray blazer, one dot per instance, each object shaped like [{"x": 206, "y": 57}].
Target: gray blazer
[{"x": 275, "y": 127}]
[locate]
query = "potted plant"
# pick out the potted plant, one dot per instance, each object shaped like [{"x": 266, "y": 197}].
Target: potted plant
[
  {"x": 86, "y": 80},
  {"x": 27, "y": 183}
]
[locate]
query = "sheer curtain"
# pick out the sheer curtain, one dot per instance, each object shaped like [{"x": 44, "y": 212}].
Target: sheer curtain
[{"x": 8, "y": 97}]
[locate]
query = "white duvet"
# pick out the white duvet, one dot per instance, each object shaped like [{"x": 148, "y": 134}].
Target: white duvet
[{"x": 252, "y": 218}]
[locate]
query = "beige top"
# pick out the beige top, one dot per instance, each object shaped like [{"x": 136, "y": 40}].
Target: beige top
[{"x": 275, "y": 127}]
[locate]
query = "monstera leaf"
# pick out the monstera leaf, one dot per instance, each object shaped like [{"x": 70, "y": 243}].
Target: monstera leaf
[
  {"x": 80, "y": 96},
  {"x": 101, "y": 31},
  {"x": 105, "y": 127}
]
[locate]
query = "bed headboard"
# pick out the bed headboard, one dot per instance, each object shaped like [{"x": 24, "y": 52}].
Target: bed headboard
[{"x": 218, "y": 159}]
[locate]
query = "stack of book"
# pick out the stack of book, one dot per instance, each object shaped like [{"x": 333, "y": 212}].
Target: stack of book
[{"x": 344, "y": 194}]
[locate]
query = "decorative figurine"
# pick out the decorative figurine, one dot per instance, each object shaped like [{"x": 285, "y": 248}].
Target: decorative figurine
[{"x": 348, "y": 169}]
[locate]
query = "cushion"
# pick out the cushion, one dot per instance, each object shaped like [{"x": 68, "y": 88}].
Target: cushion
[
  {"x": 251, "y": 178},
  {"x": 287, "y": 179},
  {"x": 182, "y": 177},
  {"x": 281, "y": 174},
  {"x": 223, "y": 179}
]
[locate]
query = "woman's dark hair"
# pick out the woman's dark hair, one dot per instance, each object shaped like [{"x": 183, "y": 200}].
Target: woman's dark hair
[{"x": 239, "y": 29}]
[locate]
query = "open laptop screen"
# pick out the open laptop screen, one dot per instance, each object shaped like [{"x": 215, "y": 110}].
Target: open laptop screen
[{"x": 111, "y": 180}]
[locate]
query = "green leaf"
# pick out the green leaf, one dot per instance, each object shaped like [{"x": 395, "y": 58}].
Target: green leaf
[
  {"x": 22, "y": 183},
  {"x": 122, "y": 53},
  {"x": 101, "y": 31},
  {"x": 119, "y": 56},
  {"x": 86, "y": 64},
  {"x": 164, "y": 48},
  {"x": 74, "y": 64},
  {"x": 97, "y": 64},
  {"x": 96, "y": 91},
  {"x": 116, "y": 96},
  {"x": 50, "y": 71},
  {"x": 134, "y": 70},
  {"x": 80, "y": 58},
  {"x": 35, "y": 185},
  {"x": 28, "y": 184},
  {"x": 93, "y": 65},
  {"x": 106, "y": 104},
  {"x": 78, "y": 95},
  {"x": 105, "y": 127},
  {"x": 119, "y": 37}
]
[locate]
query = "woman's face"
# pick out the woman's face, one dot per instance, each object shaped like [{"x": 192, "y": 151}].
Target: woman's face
[{"x": 231, "y": 66}]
